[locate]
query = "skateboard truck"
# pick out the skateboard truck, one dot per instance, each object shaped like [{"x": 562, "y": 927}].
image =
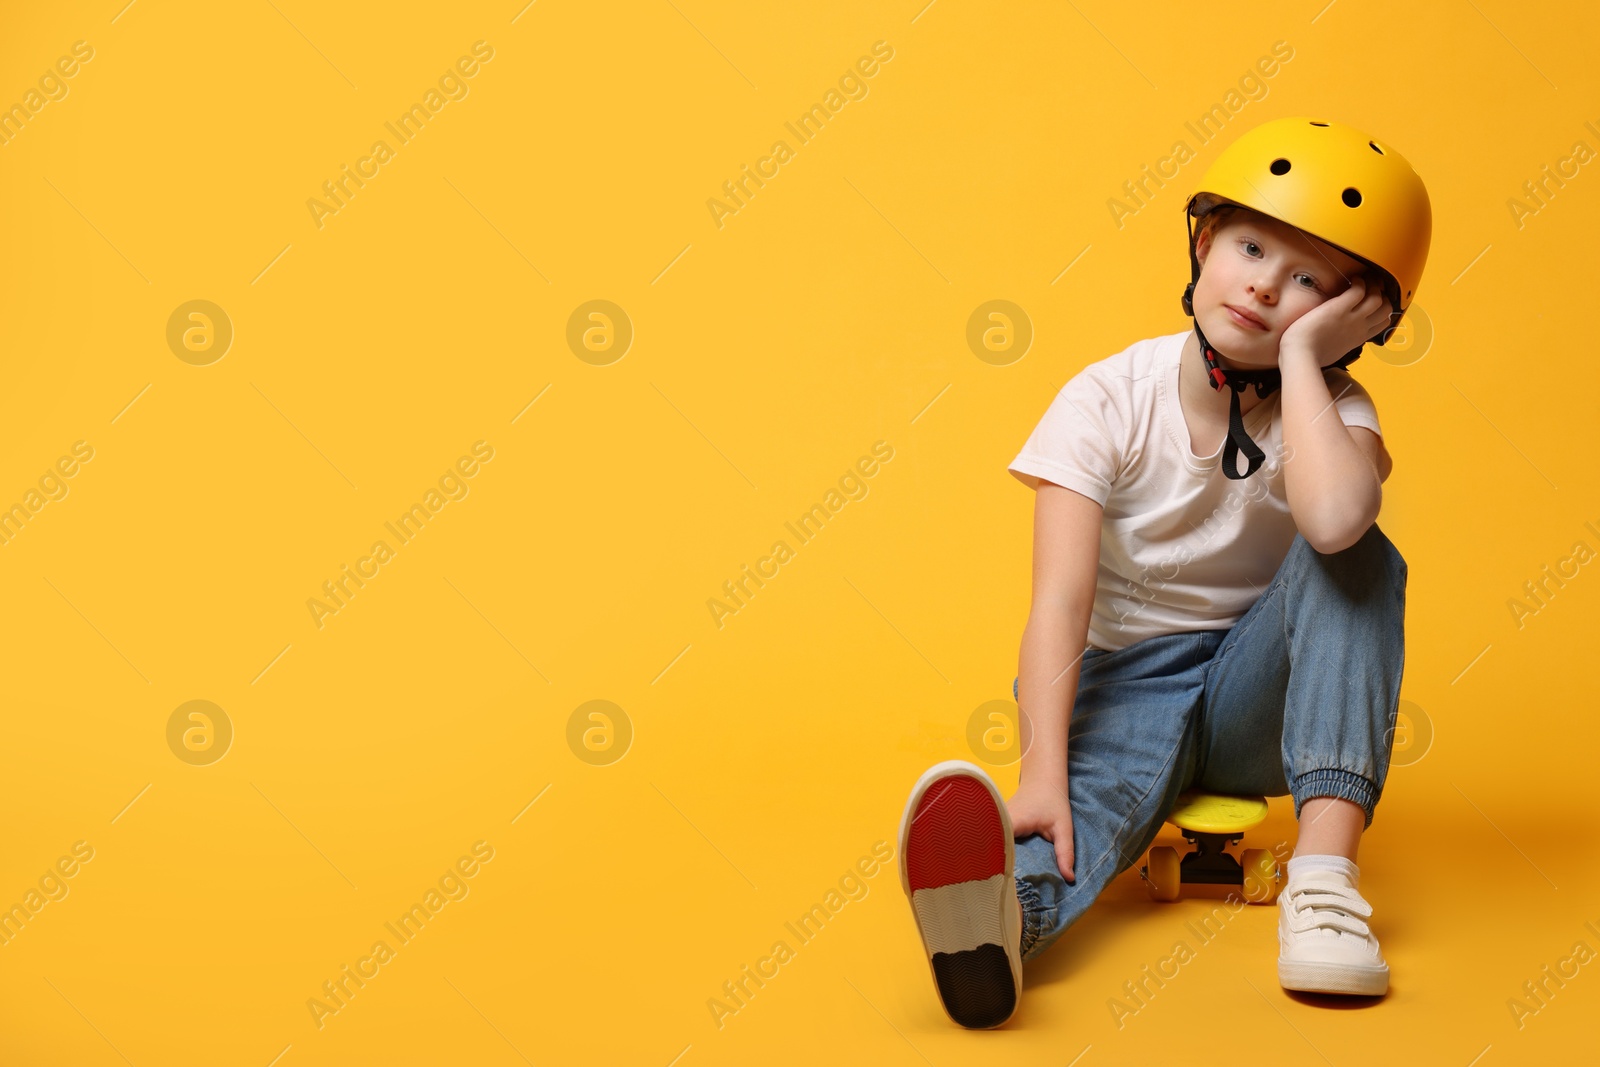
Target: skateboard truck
[{"x": 1211, "y": 822}]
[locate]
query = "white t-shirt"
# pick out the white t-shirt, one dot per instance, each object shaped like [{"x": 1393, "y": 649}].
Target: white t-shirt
[{"x": 1182, "y": 546}]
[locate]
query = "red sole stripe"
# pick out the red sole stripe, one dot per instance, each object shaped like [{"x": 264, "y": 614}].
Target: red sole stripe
[{"x": 955, "y": 835}]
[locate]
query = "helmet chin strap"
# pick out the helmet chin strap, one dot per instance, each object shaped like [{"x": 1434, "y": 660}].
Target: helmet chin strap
[{"x": 1266, "y": 382}]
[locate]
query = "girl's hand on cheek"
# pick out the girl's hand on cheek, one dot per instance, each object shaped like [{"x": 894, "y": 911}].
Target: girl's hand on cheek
[{"x": 1335, "y": 326}]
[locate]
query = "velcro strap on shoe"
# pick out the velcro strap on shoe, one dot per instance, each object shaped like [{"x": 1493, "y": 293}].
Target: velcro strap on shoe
[{"x": 1330, "y": 907}]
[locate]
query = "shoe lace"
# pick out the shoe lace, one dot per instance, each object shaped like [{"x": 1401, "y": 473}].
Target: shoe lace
[{"x": 1329, "y": 907}]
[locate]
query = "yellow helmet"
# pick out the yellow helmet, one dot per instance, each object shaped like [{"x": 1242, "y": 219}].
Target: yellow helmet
[{"x": 1337, "y": 184}]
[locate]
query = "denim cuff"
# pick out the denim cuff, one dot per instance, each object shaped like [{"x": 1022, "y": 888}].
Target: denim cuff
[
  {"x": 1032, "y": 914},
  {"x": 1334, "y": 782}
]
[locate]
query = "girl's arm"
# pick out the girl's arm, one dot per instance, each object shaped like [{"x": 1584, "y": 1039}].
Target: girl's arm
[
  {"x": 1066, "y": 556},
  {"x": 1331, "y": 479}
]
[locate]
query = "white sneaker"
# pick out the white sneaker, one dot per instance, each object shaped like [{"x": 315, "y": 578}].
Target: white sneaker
[
  {"x": 956, "y": 866},
  {"x": 1324, "y": 943}
]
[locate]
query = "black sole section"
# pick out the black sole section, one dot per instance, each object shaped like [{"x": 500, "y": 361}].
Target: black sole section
[{"x": 976, "y": 985}]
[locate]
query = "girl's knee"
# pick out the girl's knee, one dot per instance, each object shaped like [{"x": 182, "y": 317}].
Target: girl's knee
[
  {"x": 1376, "y": 542},
  {"x": 1371, "y": 562}
]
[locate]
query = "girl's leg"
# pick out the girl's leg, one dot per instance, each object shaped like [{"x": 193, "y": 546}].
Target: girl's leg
[
  {"x": 1301, "y": 695},
  {"x": 1130, "y": 751}
]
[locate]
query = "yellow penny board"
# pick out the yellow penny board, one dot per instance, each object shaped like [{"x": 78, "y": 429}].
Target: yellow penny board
[{"x": 1213, "y": 813}]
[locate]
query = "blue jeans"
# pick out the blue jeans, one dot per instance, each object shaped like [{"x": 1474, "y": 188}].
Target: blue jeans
[{"x": 1299, "y": 697}]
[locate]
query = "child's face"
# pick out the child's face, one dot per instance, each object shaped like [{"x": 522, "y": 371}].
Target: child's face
[{"x": 1269, "y": 270}]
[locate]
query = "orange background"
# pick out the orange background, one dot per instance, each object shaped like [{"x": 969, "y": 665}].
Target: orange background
[{"x": 739, "y": 772}]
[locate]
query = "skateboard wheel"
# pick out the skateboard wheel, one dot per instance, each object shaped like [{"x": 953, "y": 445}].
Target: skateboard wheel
[
  {"x": 1162, "y": 873},
  {"x": 1261, "y": 883}
]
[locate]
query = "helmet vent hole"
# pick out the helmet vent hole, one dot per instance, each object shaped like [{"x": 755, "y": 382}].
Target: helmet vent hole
[
  {"x": 1375, "y": 148},
  {"x": 1279, "y": 166},
  {"x": 1351, "y": 198},
  {"x": 1319, "y": 124}
]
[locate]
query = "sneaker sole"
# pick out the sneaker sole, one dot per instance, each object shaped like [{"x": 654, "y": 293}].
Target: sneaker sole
[
  {"x": 957, "y": 859},
  {"x": 1334, "y": 978}
]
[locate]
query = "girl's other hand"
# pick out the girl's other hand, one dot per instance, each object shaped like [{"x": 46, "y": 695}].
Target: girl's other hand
[{"x": 1042, "y": 808}]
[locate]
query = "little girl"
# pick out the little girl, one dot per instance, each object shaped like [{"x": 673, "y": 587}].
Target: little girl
[{"x": 1174, "y": 591}]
